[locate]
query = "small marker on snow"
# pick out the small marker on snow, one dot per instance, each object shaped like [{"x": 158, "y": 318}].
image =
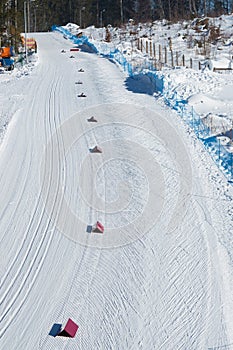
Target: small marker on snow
[
  {"x": 98, "y": 228},
  {"x": 92, "y": 119},
  {"x": 82, "y": 95},
  {"x": 96, "y": 149}
]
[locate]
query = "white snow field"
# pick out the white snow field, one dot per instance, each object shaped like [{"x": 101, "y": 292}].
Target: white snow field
[{"x": 161, "y": 274}]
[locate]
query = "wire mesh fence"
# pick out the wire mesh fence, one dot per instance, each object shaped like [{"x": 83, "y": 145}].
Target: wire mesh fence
[{"x": 222, "y": 154}]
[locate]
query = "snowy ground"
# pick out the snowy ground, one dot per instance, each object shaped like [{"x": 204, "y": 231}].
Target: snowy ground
[
  {"x": 182, "y": 38},
  {"x": 161, "y": 275},
  {"x": 202, "y": 98}
]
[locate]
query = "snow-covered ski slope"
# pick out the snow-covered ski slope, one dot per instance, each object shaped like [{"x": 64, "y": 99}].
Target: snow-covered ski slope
[{"x": 160, "y": 276}]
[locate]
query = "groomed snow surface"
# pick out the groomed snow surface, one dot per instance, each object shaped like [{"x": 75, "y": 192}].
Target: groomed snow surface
[{"x": 161, "y": 274}]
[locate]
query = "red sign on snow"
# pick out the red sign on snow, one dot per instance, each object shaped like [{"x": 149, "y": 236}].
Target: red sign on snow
[
  {"x": 98, "y": 227},
  {"x": 70, "y": 329}
]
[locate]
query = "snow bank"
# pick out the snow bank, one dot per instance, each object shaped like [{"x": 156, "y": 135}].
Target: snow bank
[{"x": 222, "y": 63}]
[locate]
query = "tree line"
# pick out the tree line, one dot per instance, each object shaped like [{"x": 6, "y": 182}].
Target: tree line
[{"x": 40, "y": 15}]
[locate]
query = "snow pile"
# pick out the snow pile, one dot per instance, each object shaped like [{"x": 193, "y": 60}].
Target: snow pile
[
  {"x": 217, "y": 123},
  {"x": 223, "y": 63},
  {"x": 72, "y": 28}
]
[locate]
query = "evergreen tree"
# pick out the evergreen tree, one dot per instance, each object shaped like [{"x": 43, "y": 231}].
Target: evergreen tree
[{"x": 45, "y": 13}]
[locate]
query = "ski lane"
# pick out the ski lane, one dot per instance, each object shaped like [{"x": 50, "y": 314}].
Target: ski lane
[
  {"x": 37, "y": 121},
  {"x": 120, "y": 297}
]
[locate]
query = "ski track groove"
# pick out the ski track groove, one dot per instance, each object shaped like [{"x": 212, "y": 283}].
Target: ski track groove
[{"x": 44, "y": 242}]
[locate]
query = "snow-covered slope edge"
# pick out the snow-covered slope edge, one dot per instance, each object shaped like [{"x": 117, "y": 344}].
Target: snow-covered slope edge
[{"x": 173, "y": 96}]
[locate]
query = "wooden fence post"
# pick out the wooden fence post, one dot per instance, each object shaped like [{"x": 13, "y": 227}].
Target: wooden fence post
[
  {"x": 165, "y": 54},
  {"x": 150, "y": 48},
  {"x": 160, "y": 53},
  {"x": 183, "y": 60},
  {"x": 172, "y": 61}
]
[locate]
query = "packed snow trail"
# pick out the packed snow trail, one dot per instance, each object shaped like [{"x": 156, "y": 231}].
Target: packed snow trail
[{"x": 154, "y": 279}]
